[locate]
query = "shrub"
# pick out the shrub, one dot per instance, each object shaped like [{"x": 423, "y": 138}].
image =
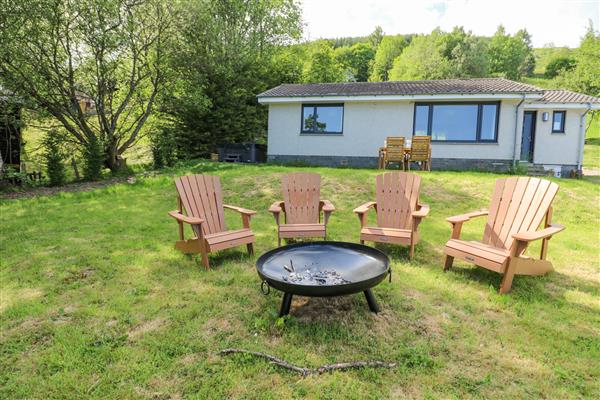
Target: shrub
[
  {"x": 53, "y": 158},
  {"x": 559, "y": 64},
  {"x": 163, "y": 147},
  {"x": 93, "y": 160}
]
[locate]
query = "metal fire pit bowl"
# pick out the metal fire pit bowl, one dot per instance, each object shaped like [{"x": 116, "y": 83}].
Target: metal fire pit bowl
[{"x": 323, "y": 269}]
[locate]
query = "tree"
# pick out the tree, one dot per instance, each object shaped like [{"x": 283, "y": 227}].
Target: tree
[
  {"x": 225, "y": 57},
  {"x": 466, "y": 53},
  {"x": 375, "y": 37},
  {"x": 422, "y": 59},
  {"x": 53, "y": 157},
  {"x": 511, "y": 56},
  {"x": 527, "y": 65},
  {"x": 389, "y": 48},
  {"x": 558, "y": 65},
  {"x": 356, "y": 61},
  {"x": 322, "y": 65},
  {"x": 66, "y": 55},
  {"x": 585, "y": 76}
]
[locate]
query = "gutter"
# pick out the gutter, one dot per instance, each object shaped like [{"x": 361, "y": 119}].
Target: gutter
[
  {"x": 582, "y": 139},
  {"x": 517, "y": 130}
]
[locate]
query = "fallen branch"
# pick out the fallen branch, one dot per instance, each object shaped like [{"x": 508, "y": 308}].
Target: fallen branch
[{"x": 308, "y": 371}]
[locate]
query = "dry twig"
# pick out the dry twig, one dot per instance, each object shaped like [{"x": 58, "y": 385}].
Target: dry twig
[{"x": 308, "y": 371}]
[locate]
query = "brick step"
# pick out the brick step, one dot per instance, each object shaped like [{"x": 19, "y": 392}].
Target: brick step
[{"x": 538, "y": 170}]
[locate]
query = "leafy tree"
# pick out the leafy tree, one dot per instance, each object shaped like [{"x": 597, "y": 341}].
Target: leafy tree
[
  {"x": 53, "y": 157},
  {"x": 65, "y": 55},
  {"x": 528, "y": 64},
  {"x": 585, "y": 76},
  {"x": 511, "y": 56},
  {"x": 322, "y": 66},
  {"x": 224, "y": 58},
  {"x": 466, "y": 53},
  {"x": 558, "y": 65},
  {"x": 288, "y": 62},
  {"x": 422, "y": 59},
  {"x": 376, "y": 37},
  {"x": 389, "y": 48},
  {"x": 356, "y": 60},
  {"x": 92, "y": 160}
]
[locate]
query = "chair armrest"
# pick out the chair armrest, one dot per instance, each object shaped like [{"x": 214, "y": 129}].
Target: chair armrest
[
  {"x": 365, "y": 207},
  {"x": 466, "y": 217},
  {"x": 327, "y": 206},
  {"x": 276, "y": 207},
  {"x": 422, "y": 212},
  {"x": 536, "y": 235},
  {"x": 184, "y": 218},
  {"x": 239, "y": 209}
]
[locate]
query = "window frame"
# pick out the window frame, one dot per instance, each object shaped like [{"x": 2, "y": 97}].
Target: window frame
[
  {"x": 314, "y": 106},
  {"x": 479, "y": 105},
  {"x": 564, "y": 119}
]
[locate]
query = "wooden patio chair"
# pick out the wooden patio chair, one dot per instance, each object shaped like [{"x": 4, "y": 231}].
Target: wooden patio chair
[
  {"x": 301, "y": 206},
  {"x": 398, "y": 210},
  {"x": 201, "y": 199},
  {"x": 394, "y": 151},
  {"x": 420, "y": 151},
  {"x": 517, "y": 209}
]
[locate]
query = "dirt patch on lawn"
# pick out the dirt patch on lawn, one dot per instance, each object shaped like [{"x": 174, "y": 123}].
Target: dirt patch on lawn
[
  {"x": 144, "y": 328},
  {"x": 8, "y": 297},
  {"x": 322, "y": 309}
]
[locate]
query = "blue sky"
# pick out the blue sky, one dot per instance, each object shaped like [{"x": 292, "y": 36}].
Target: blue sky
[{"x": 561, "y": 22}]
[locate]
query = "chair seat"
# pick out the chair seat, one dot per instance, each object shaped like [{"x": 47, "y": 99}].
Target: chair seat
[
  {"x": 484, "y": 255},
  {"x": 387, "y": 235},
  {"x": 227, "y": 239},
  {"x": 301, "y": 230}
]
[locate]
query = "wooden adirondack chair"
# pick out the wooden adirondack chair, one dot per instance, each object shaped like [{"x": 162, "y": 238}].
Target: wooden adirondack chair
[
  {"x": 201, "y": 199},
  {"x": 518, "y": 207},
  {"x": 398, "y": 210},
  {"x": 301, "y": 206},
  {"x": 420, "y": 151},
  {"x": 394, "y": 151}
]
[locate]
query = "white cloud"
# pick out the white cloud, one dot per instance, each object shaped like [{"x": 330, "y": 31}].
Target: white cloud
[{"x": 561, "y": 22}]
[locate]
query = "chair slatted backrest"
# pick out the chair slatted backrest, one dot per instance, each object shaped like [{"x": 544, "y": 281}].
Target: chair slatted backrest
[
  {"x": 397, "y": 196},
  {"x": 420, "y": 148},
  {"x": 518, "y": 204},
  {"x": 201, "y": 197},
  {"x": 394, "y": 148},
  {"x": 301, "y": 194}
]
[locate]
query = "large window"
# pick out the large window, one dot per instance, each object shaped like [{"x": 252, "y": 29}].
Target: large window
[
  {"x": 457, "y": 122},
  {"x": 558, "y": 121},
  {"x": 322, "y": 118}
]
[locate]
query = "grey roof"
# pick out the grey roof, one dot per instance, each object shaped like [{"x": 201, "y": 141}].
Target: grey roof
[
  {"x": 432, "y": 87},
  {"x": 566, "y": 96}
]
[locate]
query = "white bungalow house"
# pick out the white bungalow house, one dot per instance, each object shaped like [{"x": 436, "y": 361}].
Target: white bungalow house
[{"x": 484, "y": 123}]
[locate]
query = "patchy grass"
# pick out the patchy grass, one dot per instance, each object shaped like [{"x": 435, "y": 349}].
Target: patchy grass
[{"x": 96, "y": 303}]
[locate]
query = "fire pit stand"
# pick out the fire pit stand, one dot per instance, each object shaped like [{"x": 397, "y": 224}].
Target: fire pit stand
[{"x": 323, "y": 269}]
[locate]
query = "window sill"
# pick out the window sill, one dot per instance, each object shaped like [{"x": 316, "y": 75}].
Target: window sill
[
  {"x": 558, "y": 132},
  {"x": 321, "y": 134},
  {"x": 461, "y": 142}
]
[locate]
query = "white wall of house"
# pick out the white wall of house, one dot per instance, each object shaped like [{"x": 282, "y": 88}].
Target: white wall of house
[
  {"x": 557, "y": 148},
  {"x": 367, "y": 124}
]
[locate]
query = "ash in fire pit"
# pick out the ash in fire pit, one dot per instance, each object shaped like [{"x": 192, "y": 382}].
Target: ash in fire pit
[{"x": 312, "y": 277}]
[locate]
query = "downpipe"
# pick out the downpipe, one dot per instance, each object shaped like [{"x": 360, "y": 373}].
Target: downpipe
[{"x": 517, "y": 130}]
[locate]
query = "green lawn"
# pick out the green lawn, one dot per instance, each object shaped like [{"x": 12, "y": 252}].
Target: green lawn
[{"x": 96, "y": 303}]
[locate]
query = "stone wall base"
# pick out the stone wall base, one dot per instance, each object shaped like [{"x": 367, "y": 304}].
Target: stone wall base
[{"x": 448, "y": 164}]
